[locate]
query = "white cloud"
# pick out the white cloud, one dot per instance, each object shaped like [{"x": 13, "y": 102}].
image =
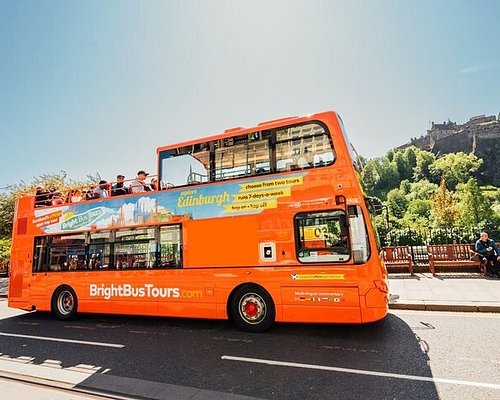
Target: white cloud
[{"x": 478, "y": 68}]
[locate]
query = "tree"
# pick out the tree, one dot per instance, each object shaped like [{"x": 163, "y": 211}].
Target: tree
[
  {"x": 379, "y": 176},
  {"x": 405, "y": 162},
  {"x": 417, "y": 215},
  {"x": 473, "y": 205},
  {"x": 4, "y": 250},
  {"x": 397, "y": 203},
  {"x": 455, "y": 168},
  {"x": 424, "y": 159},
  {"x": 57, "y": 181},
  {"x": 444, "y": 206},
  {"x": 421, "y": 190}
]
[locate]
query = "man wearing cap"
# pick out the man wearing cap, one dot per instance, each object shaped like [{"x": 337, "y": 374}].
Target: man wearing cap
[
  {"x": 138, "y": 185},
  {"x": 118, "y": 188}
]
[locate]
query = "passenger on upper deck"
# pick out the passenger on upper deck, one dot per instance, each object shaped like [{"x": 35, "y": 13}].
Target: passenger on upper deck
[
  {"x": 102, "y": 189},
  {"x": 57, "y": 198},
  {"x": 41, "y": 197},
  {"x": 75, "y": 196},
  {"x": 153, "y": 184},
  {"x": 138, "y": 185},
  {"x": 118, "y": 188}
]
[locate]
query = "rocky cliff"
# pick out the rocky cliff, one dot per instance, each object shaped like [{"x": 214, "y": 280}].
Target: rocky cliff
[{"x": 480, "y": 135}]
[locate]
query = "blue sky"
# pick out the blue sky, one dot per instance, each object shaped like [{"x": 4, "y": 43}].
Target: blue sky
[{"x": 96, "y": 86}]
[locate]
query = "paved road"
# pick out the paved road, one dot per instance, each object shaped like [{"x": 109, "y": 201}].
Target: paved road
[{"x": 409, "y": 355}]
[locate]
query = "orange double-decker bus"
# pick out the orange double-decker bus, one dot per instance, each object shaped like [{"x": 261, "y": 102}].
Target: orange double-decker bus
[{"x": 257, "y": 225}]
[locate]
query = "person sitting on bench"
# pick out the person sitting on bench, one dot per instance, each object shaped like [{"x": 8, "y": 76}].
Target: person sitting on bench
[{"x": 490, "y": 251}]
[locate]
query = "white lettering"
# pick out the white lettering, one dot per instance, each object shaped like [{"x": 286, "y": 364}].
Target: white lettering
[{"x": 148, "y": 290}]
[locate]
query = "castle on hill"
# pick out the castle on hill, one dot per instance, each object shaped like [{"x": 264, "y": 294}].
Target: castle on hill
[{"x": 480, "y": 136}]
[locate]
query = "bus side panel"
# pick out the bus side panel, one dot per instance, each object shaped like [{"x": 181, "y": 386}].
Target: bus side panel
[
  {"x": 192, "y": 293},
  {"x": 16, "y": 277},
  {"x": 18, "y": 285},
  {"x": 221, "y": 242},
  {"x": 321, "y": 304},
  {"x": 376, "y": 305}
]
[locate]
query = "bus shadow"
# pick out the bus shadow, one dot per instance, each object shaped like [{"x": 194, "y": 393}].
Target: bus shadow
[{"x": 377, "y": 360}]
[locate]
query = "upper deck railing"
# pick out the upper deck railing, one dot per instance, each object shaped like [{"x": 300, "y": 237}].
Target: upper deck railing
[{"x": 84, "y": 193}]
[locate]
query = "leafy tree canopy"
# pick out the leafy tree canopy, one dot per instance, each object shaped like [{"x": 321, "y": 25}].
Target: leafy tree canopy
[
  {"x": 58, "y": 181},
  {"x": 424, "y": 191},
  {"x": 455, "y": 168}
]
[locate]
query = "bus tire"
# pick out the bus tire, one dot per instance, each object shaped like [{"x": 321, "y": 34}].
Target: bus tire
[
  {"x": 64, "y": 303},
  {"x": 252, "y": 309}
]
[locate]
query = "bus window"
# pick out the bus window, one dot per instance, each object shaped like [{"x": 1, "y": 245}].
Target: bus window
[
  {"x": 66, "y": 253},
  {"x": 360, "y": 240},
  {"x": 40, "y": 254},
  {"x": 132, "y": 248},
  {"x": 303, "y": 146},
  {"x": 186, "y": 166},
  {"x": 258, "y": 157},
  {"x": 99, "y": 255},
  {"x": 231, "y": 162},
  {"x": 322, "y": 237},
  {"x": 170, "y": 255},
  {"x": 242, "y": 155}
]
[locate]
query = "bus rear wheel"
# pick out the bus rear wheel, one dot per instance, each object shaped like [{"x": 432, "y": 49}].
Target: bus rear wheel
[
  {"x": 252, "y": 309},
  {"x": 64, "y": 304}
]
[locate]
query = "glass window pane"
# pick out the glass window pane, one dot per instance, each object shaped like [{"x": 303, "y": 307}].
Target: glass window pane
[
  {"x": 303, "y": 146},
  {"x": 135, "y": 254},
  {"x": 67, "y": 258},
  {"x": 170, "y": 247},
  {"x": 40, "y": 255},
  {"x": 66, "y": 252},
  {"x": 322, "y": 237},
  {"x": 232, "y": 162},
  {"x": 186, "y": 166},
  {"x": 123, "y": 235},
  {"x": 360, "y": 240}
]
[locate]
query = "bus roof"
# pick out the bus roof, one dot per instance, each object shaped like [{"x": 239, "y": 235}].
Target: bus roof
[{"x": 241, "y": 130}]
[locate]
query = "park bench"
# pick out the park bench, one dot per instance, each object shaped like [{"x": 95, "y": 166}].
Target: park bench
[
  {"x": 454, "y": 257},
  {"x": 397, "y": 259}
]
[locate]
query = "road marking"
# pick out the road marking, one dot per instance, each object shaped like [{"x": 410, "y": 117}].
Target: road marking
[
  {"x": 363, "y": 372},
  {"x": 52, "y": 339}
]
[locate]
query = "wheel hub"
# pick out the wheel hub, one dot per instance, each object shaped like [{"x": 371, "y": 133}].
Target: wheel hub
[{"x": 252, "y": 308}]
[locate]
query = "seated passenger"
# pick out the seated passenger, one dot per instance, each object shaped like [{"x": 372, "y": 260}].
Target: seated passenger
[
  {"x": 153, "y": 184},
  {"x": 41, "y": 197},
  {"x": 118, "y": 188},
  {"x": 102, "y": 189},
  {"x": 56, "y": 199},
  {"x": 75, "y": 196},
  {"x": 138, "y": 185}
]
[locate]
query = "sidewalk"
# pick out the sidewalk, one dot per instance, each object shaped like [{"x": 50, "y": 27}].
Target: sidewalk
[
  {"x": 4, "y": 286},
  {"x": 444, "y": 292},
  {"x": 465, "y": 292}
]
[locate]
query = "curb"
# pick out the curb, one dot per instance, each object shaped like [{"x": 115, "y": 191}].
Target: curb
[{"x": 446, "y": 307}]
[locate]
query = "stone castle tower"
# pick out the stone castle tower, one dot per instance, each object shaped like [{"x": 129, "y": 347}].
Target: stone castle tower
[{"x": 480, "y": 135}]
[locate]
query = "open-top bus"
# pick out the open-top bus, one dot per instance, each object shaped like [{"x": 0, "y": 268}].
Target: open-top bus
[{"x": 257, "y": 225}]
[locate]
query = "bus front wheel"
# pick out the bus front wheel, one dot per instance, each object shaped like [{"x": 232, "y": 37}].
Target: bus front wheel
[
  {"x": 64, "y": 303},
  {"x": 252, "y": 309}
]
